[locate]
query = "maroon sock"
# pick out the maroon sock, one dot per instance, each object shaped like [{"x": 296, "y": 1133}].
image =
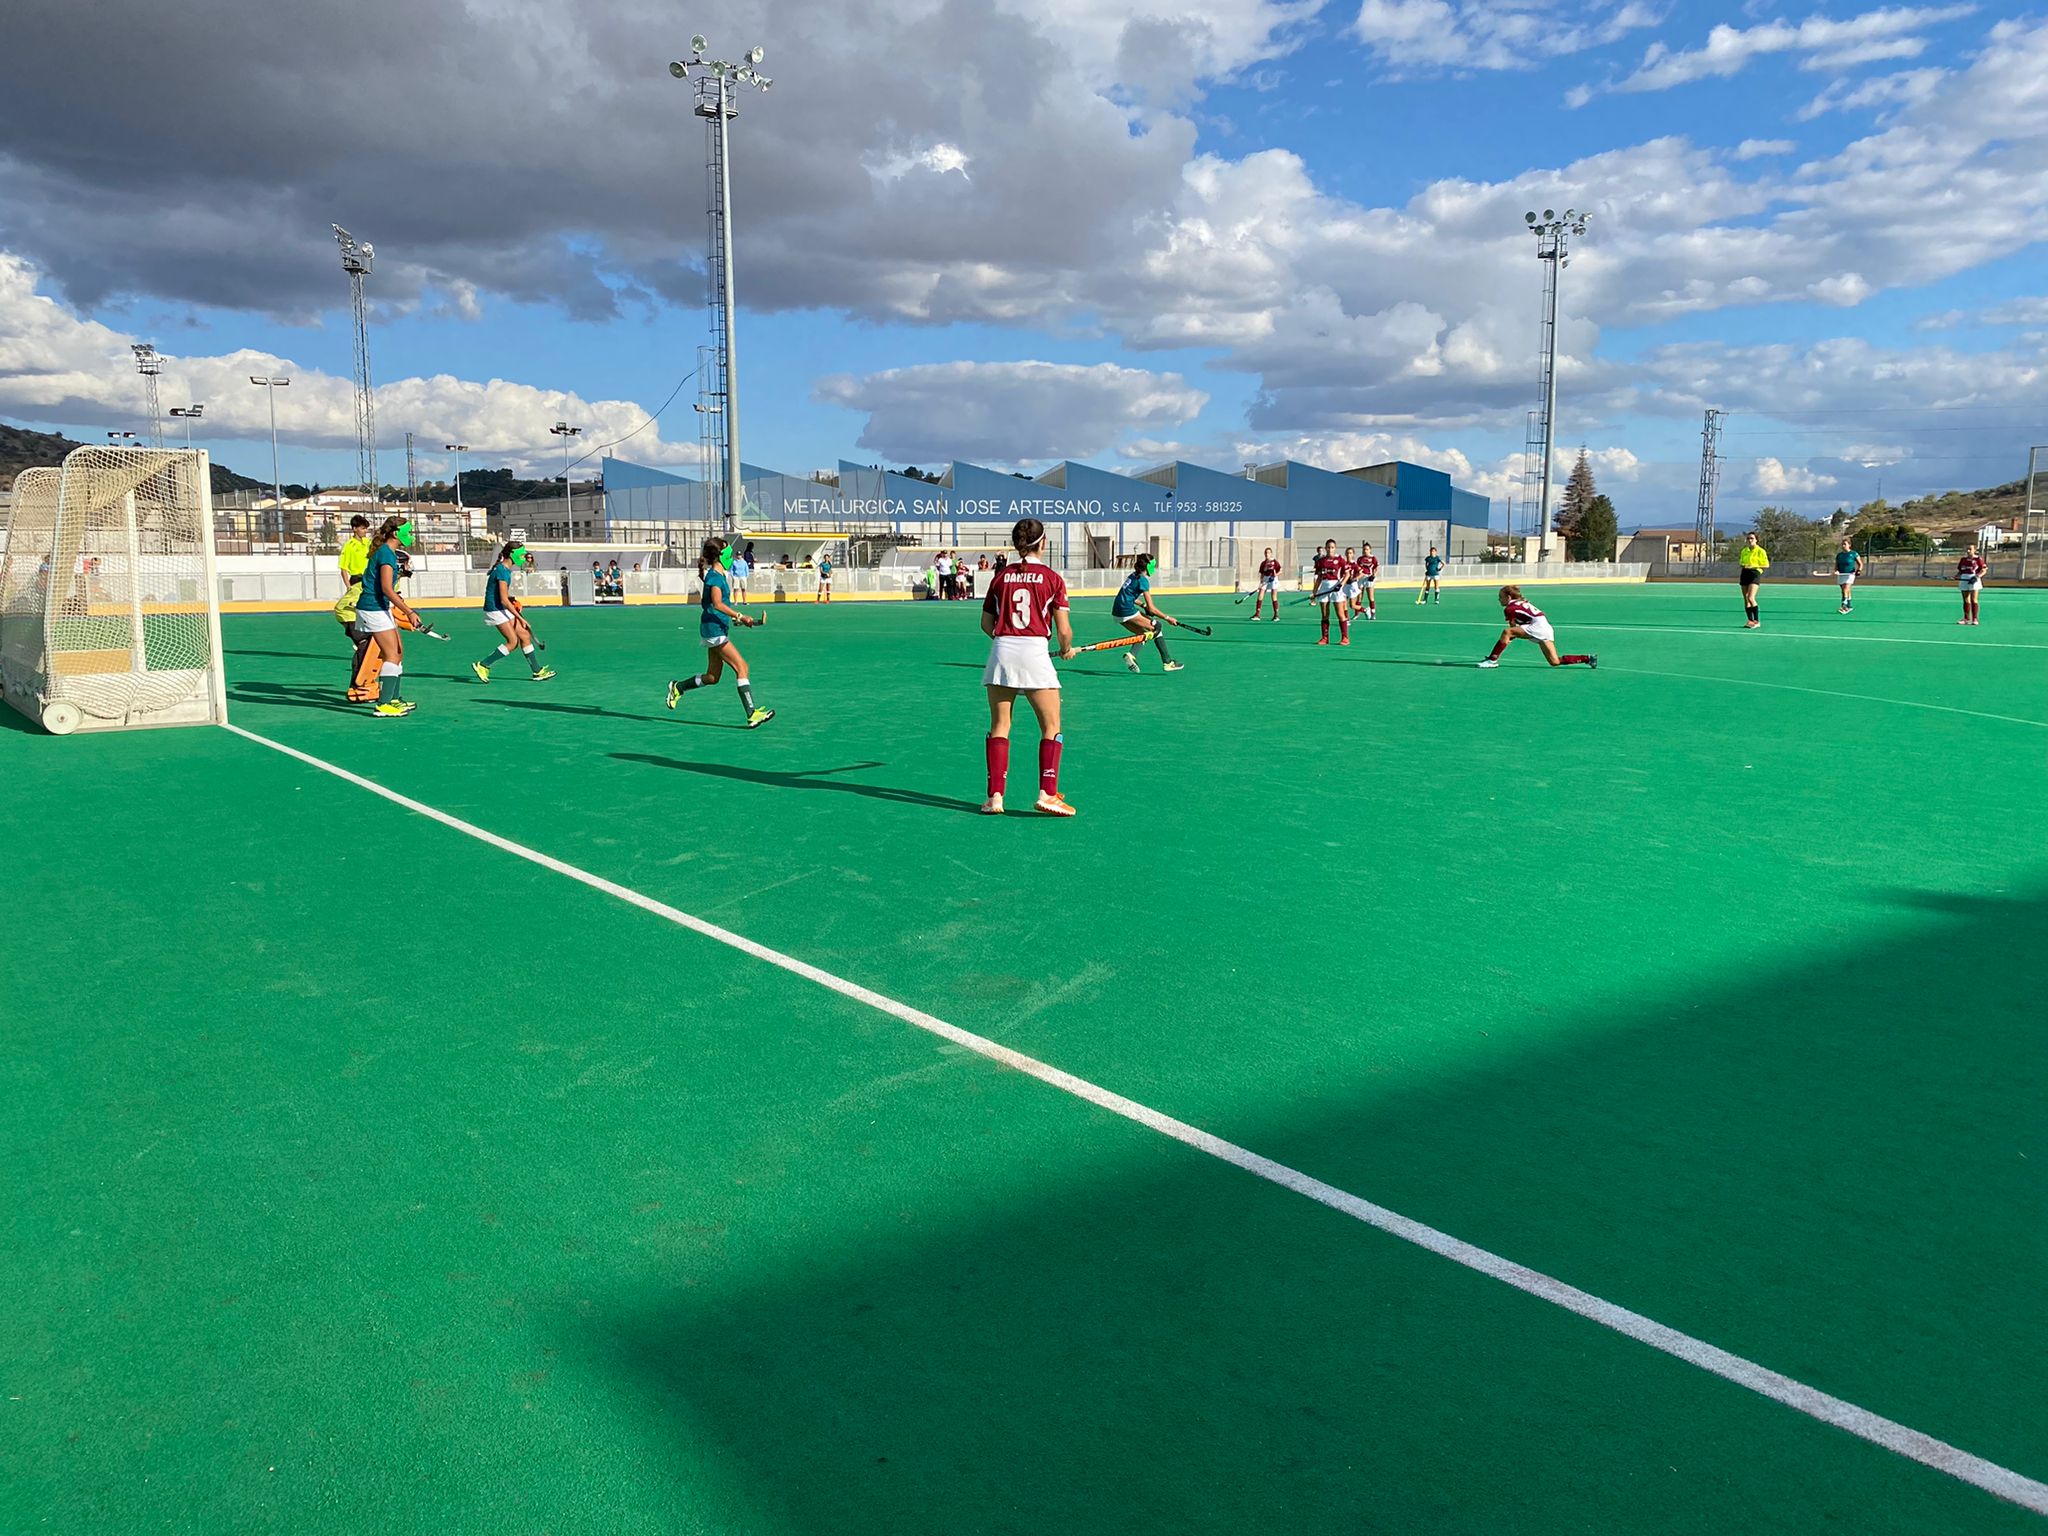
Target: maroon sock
[
  {"x": 1049, "y": 765},
  {"x": 1326, "y": 622},
  {"x": 1498, "y": 647},
  {"x": 1343, "y": 627},
  {"x": 997, "y": 749},
  {"x": 1573, "y": 661}
]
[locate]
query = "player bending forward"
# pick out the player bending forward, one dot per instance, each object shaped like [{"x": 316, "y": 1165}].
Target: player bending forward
[
  {"x": 1132, "y": 607},
  {"x": 715, "y": 619},
  {"x": 504, "y": 613},
  {"x": 1526, "y": 622},
  {"x": 1026, "y": 602},
  {"x": 1269, "y": 587},
  {"x": 1329, "y": 592}
]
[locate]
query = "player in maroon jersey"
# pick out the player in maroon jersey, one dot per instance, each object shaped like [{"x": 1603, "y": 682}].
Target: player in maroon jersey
[
  {"x": 1269, "y": 586},
  {"x": 1970, "y": 581},
  {"x": 1026, "y": 602},
  {"x": 1329, "y": 592},
  {"x": 1526, "y": 622},
  {"x": 1368, "y": 576}
]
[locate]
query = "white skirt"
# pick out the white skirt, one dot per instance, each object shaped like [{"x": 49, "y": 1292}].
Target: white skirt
[
  {"x": 1539, "y": 630},
  {"x": 374, "y": 621},
  {"x": 1023, "y": 662}
]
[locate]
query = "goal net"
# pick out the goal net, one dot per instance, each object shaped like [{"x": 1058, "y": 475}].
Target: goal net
[{"x": 109, "y": 603}]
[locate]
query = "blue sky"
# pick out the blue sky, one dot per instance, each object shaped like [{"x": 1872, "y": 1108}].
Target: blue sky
[{"x": 1013, "y": 232}]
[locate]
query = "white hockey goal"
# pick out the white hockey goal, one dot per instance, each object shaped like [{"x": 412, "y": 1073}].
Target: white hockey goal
[{"x": 109, "y": 600}]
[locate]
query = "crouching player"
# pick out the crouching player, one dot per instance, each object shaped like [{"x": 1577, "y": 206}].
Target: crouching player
[
  {"x": 504, "y": 613},
  {"x": 1026, "y": 603},
  {"x": 1526, "y": 622},
  {"x": 1132, "y": 607}
]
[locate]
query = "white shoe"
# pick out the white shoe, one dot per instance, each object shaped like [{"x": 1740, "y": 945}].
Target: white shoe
[
  {"x": 1489, "y": 662},
  {"x": 1131, "y": 662},
  {"x": 992, "y": 806}
]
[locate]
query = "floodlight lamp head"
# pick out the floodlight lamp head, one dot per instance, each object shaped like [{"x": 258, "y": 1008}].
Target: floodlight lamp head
[
  {"x": 698, "y": 43},
  {"x": 756, "y": 54},
  {"x": 1529, "y": 217},
  {"x": 1549, "y": 215},
  {"x": 679, "y": 69}
]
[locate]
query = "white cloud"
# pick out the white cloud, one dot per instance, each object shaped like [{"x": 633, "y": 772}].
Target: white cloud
[
  {"x": 1009, "y": 413},
  {"x": 1756, "y": 149},
  {"x": 2026, "y": 311},
  {"x": 55, "y": 366},
  {"x": 1901, "y": 89},
  {"x": 1770, "y": 477},
  {"x": 1891, "y": 32},
  {"x": 1417, "y": 36},
  {"x": 936, "y": 158}
]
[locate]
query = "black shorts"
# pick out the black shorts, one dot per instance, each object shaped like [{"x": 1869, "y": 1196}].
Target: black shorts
[{"x": 1751, "y": 576}]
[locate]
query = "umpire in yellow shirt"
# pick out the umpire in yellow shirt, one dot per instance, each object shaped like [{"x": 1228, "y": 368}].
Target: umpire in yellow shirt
[
  {"x": 1754, "y": 562},
  {"x": 355, "y": 554}
]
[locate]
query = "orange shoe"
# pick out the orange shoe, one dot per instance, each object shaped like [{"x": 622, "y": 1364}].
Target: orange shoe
[{"x": 1054, "y": 804}]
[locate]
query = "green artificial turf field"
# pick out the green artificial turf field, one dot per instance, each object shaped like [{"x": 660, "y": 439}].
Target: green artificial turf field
[{"x": 363, "y": 1176}]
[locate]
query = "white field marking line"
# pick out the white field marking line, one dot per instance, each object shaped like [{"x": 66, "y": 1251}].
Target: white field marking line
[
  {"x": 1832, "y": 693},
  {"x": 1772, "y": 634},
  {"x": 1865, "y": 1425}
]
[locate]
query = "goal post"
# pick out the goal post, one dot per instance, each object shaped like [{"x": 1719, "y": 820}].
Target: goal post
[{"x": 109, "y": 594}]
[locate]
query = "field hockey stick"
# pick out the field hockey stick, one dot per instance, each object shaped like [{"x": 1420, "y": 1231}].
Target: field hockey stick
[
  {"x": 1112, "y": 645},
  {"x": 1197, "y": 629}
]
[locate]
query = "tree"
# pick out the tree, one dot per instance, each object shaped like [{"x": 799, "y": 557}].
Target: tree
[
  {"x": 1598, "y": 529},
  {"x": 1785, "y": 531},
  {"x": 1578, "y": 496}
]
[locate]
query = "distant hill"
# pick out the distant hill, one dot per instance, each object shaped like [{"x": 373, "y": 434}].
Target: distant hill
[
  {"x": 1954, "y": 511},
  {"x": 22, "y": 449}
]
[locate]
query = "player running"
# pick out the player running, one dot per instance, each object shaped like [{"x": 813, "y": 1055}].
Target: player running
[
  {"x": 1132, "y": 607},
  {"x": 1269, "y": 587},
  {"x": 715, "y": 619},
  {"x": 1026, "y": 602},
  {"x": 377, "y": 610},
  {"x": 1368, "y": 581},
  {"x": 1432, "y": 567},
  {"x": 1329, "y": 592},
  {"x": 504, "y": 613},
  {"x": 1847, "y": 564},
  {"x": 1526, "y": 622},
  {"x": 1970, "y": 581},
  {"x": 1754, "y": 561}
]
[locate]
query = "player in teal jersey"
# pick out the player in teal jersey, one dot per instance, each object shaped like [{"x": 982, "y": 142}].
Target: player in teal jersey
[
  {"x": 377, "y": 610},
  {"x": 824, "y": 593},
  {"x": 1847, "y": 564},
  {"x": 1432, "y": 567},
  {"x": 715, "y": 619},
  {"x": 504, "y": 613},
  {"x": 1132, "y": 607}
]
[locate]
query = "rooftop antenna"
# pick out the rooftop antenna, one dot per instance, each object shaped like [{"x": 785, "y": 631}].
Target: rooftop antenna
[{"x": 356, "y": 256}]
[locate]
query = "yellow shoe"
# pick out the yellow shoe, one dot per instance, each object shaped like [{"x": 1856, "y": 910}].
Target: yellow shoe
[
  {"x": 759, "y": 717},
  {"x": 392, "y": 710},
  {"x": 483, "y": 673}
]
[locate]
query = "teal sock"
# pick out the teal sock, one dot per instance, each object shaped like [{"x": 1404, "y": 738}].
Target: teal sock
[
  {"x": 746, "y": 698},
  {"x": 532, "y": 660},
  {"x": 493, "y": 656},
  {"x": 387, "y": 687},
  {"x": 685, "y": 684},
  {"x": 1159, "y": 640}
]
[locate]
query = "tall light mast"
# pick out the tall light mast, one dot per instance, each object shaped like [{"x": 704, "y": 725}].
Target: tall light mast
[
  {"x": 717, "y": 80},
  {"x": 356, "y": 256},
  {"x": 1553, "y": 249}
]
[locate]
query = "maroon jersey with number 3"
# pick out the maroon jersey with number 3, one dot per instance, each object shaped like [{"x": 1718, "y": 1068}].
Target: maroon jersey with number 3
[
  {"x": 1521, "y": 611},
  {"x": 1330, "y": 569},
  {"x": 1369, "y": 567},
  {"x": 1022, "y": 598}
]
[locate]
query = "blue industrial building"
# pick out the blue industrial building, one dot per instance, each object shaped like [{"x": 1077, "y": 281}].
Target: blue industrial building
[{"x": 1184, "y": 513}]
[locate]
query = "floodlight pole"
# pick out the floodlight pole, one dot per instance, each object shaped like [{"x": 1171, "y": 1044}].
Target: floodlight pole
[
  {"x": 271, "y": 384},
  {"x": 458, "y": 449},
  {"x": 566, "y": 433},
  {"x": 189, "y": 414},
  {"x": 726, "y": 75},
  {"x": 1553, "y": 244}
]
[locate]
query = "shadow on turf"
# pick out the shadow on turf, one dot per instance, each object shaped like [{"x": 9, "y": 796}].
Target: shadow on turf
[
  {"x": 813, "y": 778},
  {"x": 294, "y": 696},
  {"x": 552, "y": 708},
  {"x": 1792, "y": 1162},
  {"x": 236, "y": 650}
]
